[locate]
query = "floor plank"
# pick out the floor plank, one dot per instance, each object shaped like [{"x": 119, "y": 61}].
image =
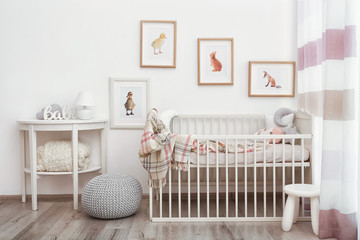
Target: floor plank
[{"x": 57, "y": 220}]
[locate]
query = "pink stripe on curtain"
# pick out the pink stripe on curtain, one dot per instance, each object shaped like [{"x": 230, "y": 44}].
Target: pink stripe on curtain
[
  {"x": 336, "y": 224},
  {"x": 334, "y": 44}
]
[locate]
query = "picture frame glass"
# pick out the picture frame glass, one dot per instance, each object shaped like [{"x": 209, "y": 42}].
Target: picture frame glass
[
  {"x": 158, "y": 44},
  {"x": 215, "y": 62},
  {"x": 271, "y": 79},
  {"x": 129, "y": 104}
]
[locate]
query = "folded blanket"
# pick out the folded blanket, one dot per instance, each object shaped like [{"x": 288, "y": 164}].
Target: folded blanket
[
  {"x": 160, "y": 148},
  {"x": 57, "y": 156}
]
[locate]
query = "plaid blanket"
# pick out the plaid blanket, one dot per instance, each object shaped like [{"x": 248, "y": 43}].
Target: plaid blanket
[{"x": 160, "y": 149}]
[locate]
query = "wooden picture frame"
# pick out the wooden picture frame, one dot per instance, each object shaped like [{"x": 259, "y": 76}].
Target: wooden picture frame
[
  {"x": 158, "y": 44},
  {"x": 271, "y": 79},
  {"x": 123, "y": 116},
  {"x": 215, "y": 61}
]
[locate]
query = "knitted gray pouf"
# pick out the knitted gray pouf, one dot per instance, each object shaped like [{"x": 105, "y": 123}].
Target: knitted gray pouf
[{"x": 112, "y": 196}]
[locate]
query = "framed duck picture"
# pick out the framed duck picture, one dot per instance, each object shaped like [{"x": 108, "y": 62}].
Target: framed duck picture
[
  {"x": 129, "y": 102},
  {"x": 215, "y": 61},
  {"x": 158, "y": 44},
  {"x": 271, "y": 79}
]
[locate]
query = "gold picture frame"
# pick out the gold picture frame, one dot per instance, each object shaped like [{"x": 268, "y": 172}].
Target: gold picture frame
[
  {"x": 215, "y": 61},
  {"x": 158, "y": 44},
  {"x": 271, "y": 79}
]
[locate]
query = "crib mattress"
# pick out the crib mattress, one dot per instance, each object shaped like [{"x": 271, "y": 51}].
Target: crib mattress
[{"x": 259, "y": 155}]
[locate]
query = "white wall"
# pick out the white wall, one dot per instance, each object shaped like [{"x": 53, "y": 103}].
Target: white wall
[{"x": 50, "y": 50}]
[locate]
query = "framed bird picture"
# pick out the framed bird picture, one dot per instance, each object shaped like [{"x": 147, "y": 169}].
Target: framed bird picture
[
  {"x": 158, "y": 44},
  {"x": 215, "y": 61},
  {"x": 129, "y": 102}
]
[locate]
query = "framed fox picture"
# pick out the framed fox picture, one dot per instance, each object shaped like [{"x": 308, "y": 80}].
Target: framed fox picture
[
  {"x": 271, "y": 79},
  {"x": 215, "y": 61},
  {"x": 158, "y": 44}
]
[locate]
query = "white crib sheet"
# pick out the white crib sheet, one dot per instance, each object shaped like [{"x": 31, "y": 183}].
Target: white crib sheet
[{"x": 259, "y": 155}]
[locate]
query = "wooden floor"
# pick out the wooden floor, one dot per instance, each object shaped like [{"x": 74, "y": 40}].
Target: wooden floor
[{"x": 57, "y": 220}]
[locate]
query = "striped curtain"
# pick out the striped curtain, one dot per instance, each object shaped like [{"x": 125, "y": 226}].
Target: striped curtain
[{"x": 328, "y": 87}]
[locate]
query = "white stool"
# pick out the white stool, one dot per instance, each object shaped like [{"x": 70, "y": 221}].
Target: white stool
[{"x": 291, "y": 210}]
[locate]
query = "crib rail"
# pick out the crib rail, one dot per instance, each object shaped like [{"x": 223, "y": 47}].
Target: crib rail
[
  {"x": 248, "y": 191},
  {"x": 218, "y": 124}
]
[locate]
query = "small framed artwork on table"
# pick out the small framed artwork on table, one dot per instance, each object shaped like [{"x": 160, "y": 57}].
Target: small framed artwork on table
[
  {"x": 158, "y": 44},
  {"x": 271, "y": 79},
  {"x": 215, "y": 61},
  {"x": 129, "y": 102}
]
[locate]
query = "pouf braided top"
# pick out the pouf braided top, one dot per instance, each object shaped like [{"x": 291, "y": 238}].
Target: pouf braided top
[{"x": 111, "y": 196}]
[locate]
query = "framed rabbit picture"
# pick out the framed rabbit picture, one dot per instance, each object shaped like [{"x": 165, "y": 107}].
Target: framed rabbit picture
[
  {"x": 215, "y": 61},
  {"x": 129, "y": 102}
]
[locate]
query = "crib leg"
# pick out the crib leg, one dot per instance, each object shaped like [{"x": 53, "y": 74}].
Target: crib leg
[{"x": 150, "y": 202}]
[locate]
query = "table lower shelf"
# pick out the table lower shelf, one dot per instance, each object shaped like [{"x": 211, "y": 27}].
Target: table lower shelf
[{"x": 93, "y": 169}]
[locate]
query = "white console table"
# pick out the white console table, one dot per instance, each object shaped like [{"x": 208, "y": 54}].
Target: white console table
[{"x": 73, "y": 126}]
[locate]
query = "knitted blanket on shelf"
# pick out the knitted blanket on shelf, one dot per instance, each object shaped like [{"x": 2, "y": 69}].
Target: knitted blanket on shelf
[
  {"x": 160, "y": 149},
  {"x": 56, "y": 156}
]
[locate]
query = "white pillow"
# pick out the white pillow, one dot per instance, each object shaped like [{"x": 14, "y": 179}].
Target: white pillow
[{"x": 288, "y": 120}]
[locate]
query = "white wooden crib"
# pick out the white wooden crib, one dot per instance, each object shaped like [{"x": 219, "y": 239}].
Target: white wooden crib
[{"x": 223, "y": 186}]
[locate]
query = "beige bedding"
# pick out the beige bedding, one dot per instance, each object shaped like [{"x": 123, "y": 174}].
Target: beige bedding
[{"x": 259, "y": 155}]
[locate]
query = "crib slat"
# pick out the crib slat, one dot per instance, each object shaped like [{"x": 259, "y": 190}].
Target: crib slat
[
  {"x": 217, "y": 178},
  {"x": 228, "y": 126},
  {"x": 180, "y": 126},
  {"x": 245, "y": 176},
  {"x": 172, "y": 125},
  {"x": 189, "y": 187},
  {"x": 283, "y": 174},
  {"x": 198, "y": 178},
  {"x": 179, "y": 192},
  {"x": 150, "y": 202},
  {"x": 302, "y": 172},
  {"x": 219, "y": 126},
  {"x": 236, "y": 181},
  {"x": 227, "y": 177},
  {"x": 161, "y": 201},
  {"x": 236, "y": 126},
  {"x": 251, "y": 125},
  {"x": 188, "y": 126},
  {"x": 196, "y": 126},
  {"x": 212, "y": 126},
  {"x": 242, "y": 126},
  {"x": 204, "y": 126},
  {"x": 255, "y": 190},
  {"x": 170, "y": 191},
  {"x": 264, "y": 177},
  {"x": 207, "y": 181},
  {"x": 274, "y": 180},
  {"x": 293, "y": 161}
]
